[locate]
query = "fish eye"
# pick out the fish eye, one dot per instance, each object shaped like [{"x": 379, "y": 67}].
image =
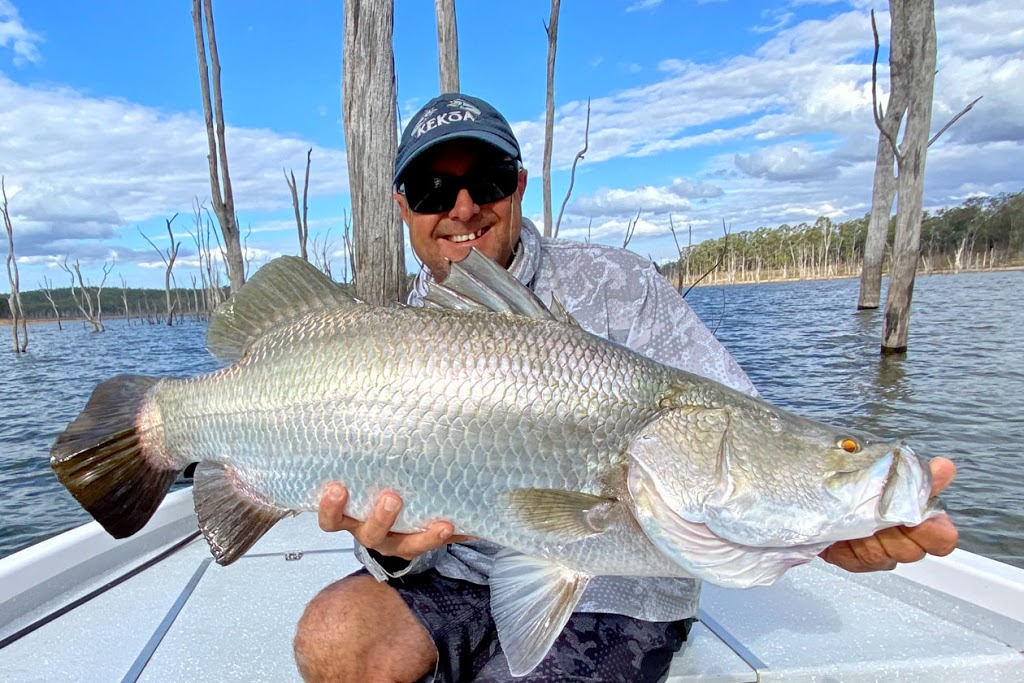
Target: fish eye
[{"x": 849, "y": 445}]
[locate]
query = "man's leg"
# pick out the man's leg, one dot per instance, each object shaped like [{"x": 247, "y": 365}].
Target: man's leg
[{"x": 358, "y": 629}]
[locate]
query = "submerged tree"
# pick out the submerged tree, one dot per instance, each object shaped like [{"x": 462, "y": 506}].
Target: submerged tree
[
  {"x": 912, "y": 58},
  {"x": 371, "y": 139},
  {"x": 301, "y": 219},
  {"x": 447, "y": 45},
  {"x": 551, "y": 28},
  {"x": 90, "y": 308},
  {"x": 168, "y": 259},
  {"x": 213, "y": 111},
  {"x": 14, "y": 299}
]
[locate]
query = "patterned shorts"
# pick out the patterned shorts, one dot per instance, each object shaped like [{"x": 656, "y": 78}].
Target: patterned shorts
[{"x": 592, "y": 647}]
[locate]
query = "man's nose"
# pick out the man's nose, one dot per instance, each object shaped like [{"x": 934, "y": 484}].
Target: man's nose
[{"x": 465, "y": 208}]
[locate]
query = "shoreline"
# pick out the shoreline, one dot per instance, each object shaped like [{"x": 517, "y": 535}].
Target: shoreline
[{"x": 6, "y": 322}]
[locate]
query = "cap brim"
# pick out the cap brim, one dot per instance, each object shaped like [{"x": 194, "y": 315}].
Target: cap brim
[{"x": 482, "y": 135}]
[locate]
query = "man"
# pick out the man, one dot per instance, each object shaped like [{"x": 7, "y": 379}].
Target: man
[{"x": 421, "y": 606}]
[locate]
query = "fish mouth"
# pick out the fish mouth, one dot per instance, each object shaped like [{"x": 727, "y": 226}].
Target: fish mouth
[
  {"x": 904, "y": 498},
  {"x": 470, "y": 237},
  {"x": 894, "y": 490}
]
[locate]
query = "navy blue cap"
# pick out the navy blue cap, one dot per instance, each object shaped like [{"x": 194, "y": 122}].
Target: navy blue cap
[{"x": 449, "y": 117}]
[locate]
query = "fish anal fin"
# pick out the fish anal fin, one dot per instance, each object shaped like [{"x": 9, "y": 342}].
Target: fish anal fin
[
  {"x": 571, "y": 514},
  {"x": 531, "y": 600},
  {"x": 284, "y": 289},
  {"x": 231, "y": 517}
]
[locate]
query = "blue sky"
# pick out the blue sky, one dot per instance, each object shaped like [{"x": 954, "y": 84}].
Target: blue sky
[{"x": 755, "y": 113}]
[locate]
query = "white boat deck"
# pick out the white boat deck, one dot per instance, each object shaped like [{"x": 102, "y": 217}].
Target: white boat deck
[{"x": 184, "y": 618}]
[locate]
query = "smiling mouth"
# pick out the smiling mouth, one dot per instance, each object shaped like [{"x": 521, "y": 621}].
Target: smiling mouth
[{"x": 457, "y": 239}]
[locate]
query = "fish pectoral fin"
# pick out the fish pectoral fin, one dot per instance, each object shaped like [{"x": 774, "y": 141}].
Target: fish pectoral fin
[
  {"x": 531, "y": 600},
  {"x": 571, "y": 514},
  {"x": 703, "y": 553},
  {"x": 231, "y": 518},
  {"x": 285, "y": 289}
]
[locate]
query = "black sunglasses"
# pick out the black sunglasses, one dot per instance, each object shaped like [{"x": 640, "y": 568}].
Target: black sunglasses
[{"x": 437, "y": 192}]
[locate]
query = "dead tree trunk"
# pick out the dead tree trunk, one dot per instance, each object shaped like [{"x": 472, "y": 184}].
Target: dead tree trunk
[
  {"x": 168, "y": 259},
  {"x": 301, "y": 220},
  {"x": 14, "y": 299},
  {"x": 884, "y": 188},
  {"x": 371, "y": 140},
  {"x": 549, "y": 116},
  {"x": 223, "y": 204},
  {"x": 93, "y": 313},
  {"x": 47, "y": 289},
  {"x": 447, "y": 45},
  {"x": 914, "y": 29}
]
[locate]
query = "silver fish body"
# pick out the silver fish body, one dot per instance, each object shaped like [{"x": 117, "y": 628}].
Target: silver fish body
[
  {"x": 452, "y": 409},
  {"x": 578, "y": 455}
]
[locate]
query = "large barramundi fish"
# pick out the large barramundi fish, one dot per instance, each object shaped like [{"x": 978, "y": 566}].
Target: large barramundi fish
[{"x": 485, "y": 408}]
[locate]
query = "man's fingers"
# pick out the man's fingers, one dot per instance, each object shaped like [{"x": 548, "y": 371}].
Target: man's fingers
[
  {"x": 937, "y": 536},
  {"x": 409, "y": 546},
  {"x": 899, "y": 546},
  {"x": 331, "y": 512},
  {"x": 943, "y": 472},
  {"x": 374, "y": 531},
  {"x": 872, "y": 554}
]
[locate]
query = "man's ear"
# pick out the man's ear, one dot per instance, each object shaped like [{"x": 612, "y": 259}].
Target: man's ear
[
  {"x": 403, "y": 206},
  {"x": 522, "y": 182}
]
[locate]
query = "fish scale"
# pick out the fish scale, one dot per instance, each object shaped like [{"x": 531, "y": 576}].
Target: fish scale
[{"x": 381, "y": 403}]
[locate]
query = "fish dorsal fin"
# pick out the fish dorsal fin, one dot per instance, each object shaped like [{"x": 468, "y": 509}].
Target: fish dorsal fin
[
  {"x": 560, "y": 312},
  {"x": 286, "y": 288},
  {"x": 479, "y": 283},
  {"x": 531, "y": 600},
  {"x": 571, "y": 514},
  {"x": 231, "y": 518}
]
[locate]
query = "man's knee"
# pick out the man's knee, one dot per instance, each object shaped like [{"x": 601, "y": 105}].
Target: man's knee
[{"x": 358, "y": 629}]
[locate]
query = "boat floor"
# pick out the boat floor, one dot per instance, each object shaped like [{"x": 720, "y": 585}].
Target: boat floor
[{"x": 187, "y": 619}]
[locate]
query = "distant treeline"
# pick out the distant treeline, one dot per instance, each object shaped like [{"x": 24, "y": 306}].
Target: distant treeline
[
  {"x": 980, "y": 233},
  {"x": 117, "y": 302}
]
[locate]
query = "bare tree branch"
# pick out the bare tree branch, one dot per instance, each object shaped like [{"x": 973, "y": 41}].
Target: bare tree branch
[
  {"x": 549, "y": 112},
  {"x": 572, "y": 175},
  {"x": 876, "y": 107},
  {"x": 953, "y": 120},
  {"x": 630, "y": 229}
]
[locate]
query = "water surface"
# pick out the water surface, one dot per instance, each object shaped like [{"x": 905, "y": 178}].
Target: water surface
[{"x": 958, "y": 392}]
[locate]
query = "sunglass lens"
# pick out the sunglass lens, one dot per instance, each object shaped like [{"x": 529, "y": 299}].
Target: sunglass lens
[{"x": 437, "y": 193}]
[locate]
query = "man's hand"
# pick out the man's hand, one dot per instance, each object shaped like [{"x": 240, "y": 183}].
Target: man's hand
[
  {"x": 375, "y": 533},
  {"x": 935, "y": 536}
]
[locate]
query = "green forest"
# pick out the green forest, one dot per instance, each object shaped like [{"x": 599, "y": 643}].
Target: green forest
[{"x": 981, "y": 233}]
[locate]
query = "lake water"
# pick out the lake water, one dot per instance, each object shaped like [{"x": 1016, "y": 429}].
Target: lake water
[{"x": 959, "y": 392}]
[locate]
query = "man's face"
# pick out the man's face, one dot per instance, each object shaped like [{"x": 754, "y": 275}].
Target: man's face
[{"x": 492, "y": 228}]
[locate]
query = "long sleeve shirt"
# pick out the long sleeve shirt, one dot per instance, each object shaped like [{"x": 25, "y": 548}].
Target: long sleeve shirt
[{"x": 620, "y": 296}]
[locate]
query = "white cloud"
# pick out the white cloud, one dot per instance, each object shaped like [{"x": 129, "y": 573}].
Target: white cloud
[
  {"x": 787, "y": 129},
  {"x": 640, "y": 5},
  {"x": 787, "y": 162},
  {"x": 14, "y": 35},
  {"x": 86, "y": 167}
]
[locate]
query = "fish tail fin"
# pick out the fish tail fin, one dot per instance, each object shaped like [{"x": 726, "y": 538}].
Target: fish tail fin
[{"x": 107, "y": 460}]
